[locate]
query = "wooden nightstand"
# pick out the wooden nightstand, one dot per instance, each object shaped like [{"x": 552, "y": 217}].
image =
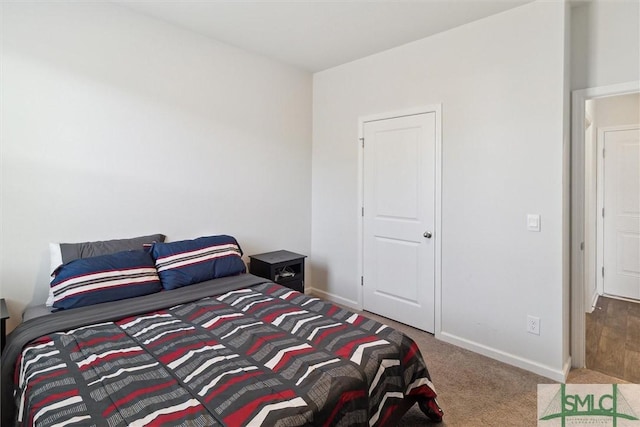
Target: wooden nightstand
[
  {"x": 4, "y": 315},
  {"x": 283, "y": 267}
]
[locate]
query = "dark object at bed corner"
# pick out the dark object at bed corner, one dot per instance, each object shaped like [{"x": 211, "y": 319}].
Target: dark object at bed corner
[
  {"x": 283, "y": 267},
  {"x": 366, "y": 355},
  {"x": 4, "y": 315}
]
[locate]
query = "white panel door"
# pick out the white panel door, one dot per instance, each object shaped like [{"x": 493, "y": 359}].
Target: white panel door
[
  {"x": 621, "y": 199},
  {"x": 399, "y": 219}
]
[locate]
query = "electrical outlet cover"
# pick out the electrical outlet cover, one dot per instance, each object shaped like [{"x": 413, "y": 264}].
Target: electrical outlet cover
[{"x": 533, "y": 325}]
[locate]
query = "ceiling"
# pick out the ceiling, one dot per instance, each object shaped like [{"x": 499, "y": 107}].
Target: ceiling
[{"x": 320, "y": 34}]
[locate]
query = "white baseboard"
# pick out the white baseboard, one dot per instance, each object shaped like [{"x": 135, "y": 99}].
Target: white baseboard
[
  {"x": 566, "y": 368},
  {"x": 520, "y": 362},
  {"x": 511, "y": 359},
  {"x": 594, "y": 301},
  {"x": 332, "y": 297}
]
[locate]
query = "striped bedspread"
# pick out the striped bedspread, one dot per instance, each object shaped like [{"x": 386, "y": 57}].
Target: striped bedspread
[{"x": 257, "y": 356}]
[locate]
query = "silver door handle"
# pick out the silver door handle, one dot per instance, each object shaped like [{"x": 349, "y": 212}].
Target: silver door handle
[{"x": 427, "y": 234}]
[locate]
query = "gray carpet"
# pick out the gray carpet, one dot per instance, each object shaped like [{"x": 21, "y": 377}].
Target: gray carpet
[{"x": 474, "y": 390}]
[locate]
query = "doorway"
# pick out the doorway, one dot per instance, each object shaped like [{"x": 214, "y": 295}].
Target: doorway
[
  {"x": 400, "y": 216},
  {"x": 618, "y": 189},
  {"x": 595, "y": 187}
]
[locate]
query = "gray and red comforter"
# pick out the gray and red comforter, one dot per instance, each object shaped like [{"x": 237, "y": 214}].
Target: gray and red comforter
[{"x": 248, "y": 353}]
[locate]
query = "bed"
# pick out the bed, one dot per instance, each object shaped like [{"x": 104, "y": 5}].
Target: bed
[{"x": 230, "y": 351}]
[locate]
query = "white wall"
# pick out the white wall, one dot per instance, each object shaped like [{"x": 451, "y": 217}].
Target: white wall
[
  {"x": 617, "y": 110},
  {"x": 501, "y": 84},
  {"x": 605, "y": 43},
  {"x": 117, "y": 125}
]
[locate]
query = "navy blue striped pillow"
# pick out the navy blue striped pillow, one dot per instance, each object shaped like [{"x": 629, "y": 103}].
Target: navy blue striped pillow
[
  {"x": 187, "y": 262},
  {"x": 104, "y": 278}
]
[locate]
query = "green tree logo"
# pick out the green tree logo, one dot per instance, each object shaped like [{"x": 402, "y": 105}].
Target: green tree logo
[{"x": 614, "y": 406}]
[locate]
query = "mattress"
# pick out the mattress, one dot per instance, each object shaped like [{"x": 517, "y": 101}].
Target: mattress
[{"x": 35, "y": 311}]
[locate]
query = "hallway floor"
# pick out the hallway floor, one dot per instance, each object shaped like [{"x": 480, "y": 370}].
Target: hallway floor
[{"x": 613, "y": 339}]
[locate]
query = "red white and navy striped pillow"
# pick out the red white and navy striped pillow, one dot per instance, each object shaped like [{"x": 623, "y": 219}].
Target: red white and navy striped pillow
[
  {"x": 104, "y": 278},
  {"x": 187, "y": 262}
]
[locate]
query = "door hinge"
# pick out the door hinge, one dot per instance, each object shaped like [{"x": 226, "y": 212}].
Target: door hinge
[
  {"x": 362, "y": 141},
  {"x": 361, "y": 280},
  {"x": 603, "y": 153},
  {"x": 603, "y": 271},
  {"x": 363, "y": 211},
  {"x": 582, "y": 246},
  {"x": 602, "y": 212}
]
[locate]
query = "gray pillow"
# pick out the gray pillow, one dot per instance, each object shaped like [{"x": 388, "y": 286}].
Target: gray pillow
[
  {"x": 62, "y": 253},
  {"x": 71, "y": 251}
]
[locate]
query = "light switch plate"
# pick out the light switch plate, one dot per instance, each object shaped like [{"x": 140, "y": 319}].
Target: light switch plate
[{"x": 533, "y": 222}]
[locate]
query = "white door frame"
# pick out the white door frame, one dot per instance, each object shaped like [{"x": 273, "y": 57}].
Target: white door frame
[
  {"x": 578, "y": 305},
  {"x": 600, "y": 202},
  {"x": 437, "y": 109}
]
